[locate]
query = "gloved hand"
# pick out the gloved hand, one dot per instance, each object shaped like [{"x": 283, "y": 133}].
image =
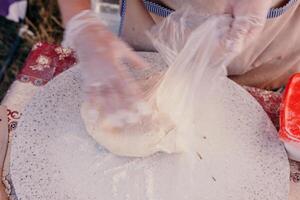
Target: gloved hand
[
  {"x": 242, "y": 22},
  {"x": 249, "y": 18},
  {"x": 108, "y": 88}
]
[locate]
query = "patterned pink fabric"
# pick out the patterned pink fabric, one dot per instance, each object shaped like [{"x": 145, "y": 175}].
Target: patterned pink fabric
[
  {"x": 270, "y": 101},
  {"x": 45, "y": 62}
]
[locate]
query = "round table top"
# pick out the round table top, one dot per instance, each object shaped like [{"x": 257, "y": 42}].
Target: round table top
[{"x": 54, "y": 158}]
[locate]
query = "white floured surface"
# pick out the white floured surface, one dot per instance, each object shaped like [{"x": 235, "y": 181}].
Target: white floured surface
[{"x": 54, "y": 158}]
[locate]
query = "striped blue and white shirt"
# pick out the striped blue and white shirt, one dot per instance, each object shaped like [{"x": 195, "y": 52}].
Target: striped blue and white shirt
[{"x": 164, "y": 12}]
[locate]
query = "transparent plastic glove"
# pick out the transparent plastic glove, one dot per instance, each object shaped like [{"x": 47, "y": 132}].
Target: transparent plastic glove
[
  {"x": 249, "y": 18},
  {"x": 108, "y": 87},
  {"x": 245, "y": 20}
]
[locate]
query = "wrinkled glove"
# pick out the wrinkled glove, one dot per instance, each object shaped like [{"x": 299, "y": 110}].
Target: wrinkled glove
[
  {"x": 249, "y": 18},
  {"x": 241, "y": 22},
  {"x": 108, "y": 87}
]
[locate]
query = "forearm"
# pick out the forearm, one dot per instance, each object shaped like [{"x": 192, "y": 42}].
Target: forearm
[
  {"x": 70, "y": 8},
  {"x": 137, "y": 22}
]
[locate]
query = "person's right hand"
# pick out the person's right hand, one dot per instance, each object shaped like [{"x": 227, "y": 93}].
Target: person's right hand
[
  {"x": 108, "y": 87},
  {"x": 248, "y": 17},
  {"x": 238, "y": 23}
]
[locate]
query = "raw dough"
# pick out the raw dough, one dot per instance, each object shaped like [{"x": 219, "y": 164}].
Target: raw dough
[
  {"x": 179, "y": 100},
  {"x": 140, "y": 140}
]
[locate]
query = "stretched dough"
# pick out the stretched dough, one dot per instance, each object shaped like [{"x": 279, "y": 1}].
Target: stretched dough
[{"x": 178, "y": 98}]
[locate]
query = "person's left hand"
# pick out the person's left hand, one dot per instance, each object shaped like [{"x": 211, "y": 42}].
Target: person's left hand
[{"x": 110, "y": 91}]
